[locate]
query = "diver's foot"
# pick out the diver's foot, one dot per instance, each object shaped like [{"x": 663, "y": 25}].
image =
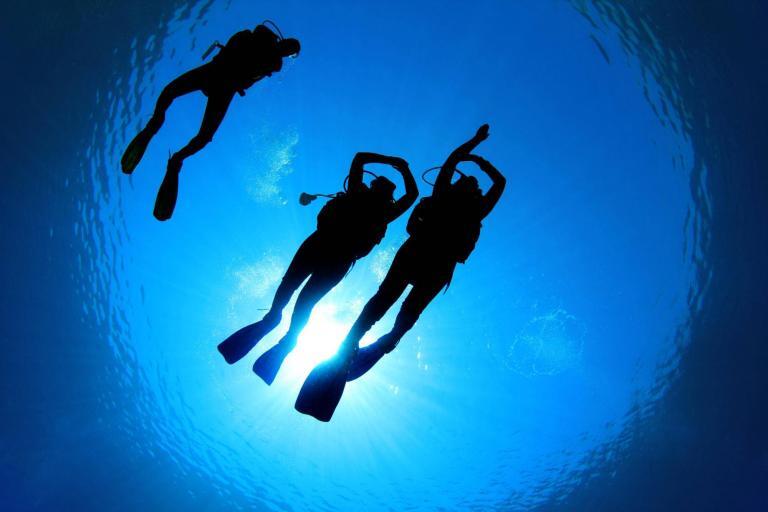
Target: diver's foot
[
  {"x": 364, "y": 360},
  {"x": 240, "y": 343},
  {"x": 323, "y": 388},
  {"x": 135, "y": 151},
  {"x": 270, "y": 361},
  {"x": 169, "y": 191}
]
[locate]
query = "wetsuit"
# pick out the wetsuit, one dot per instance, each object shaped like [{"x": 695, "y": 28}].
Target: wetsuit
[
  {"x": 348, "y": 228},
  {"x": 247, "y": 57},
  {"x": 444, "y": 229},
  {"x": 426, "y": 261}
]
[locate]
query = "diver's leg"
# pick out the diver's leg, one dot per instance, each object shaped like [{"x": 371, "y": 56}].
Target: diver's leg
[
  {"x": 215, "y": 110},
  {"x": 389, "y": 291},
  {"x": 300, "y": 268},
  {"x": 240, "y": 343},
  {"x": 413, "y": 305},
  {"x": 320, "y": 283},
  {"x": 322, "y": 390},
  {"x": 214, "y": 114},
  {"x": 188, "y": 82}
]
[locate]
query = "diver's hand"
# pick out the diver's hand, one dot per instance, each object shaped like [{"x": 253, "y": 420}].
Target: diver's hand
[
  {"x": 471, "y": 157},
  {"x": 482, "y": 132},
  {"x": 488, "y": 168},
  {"x": 400, "y": 164}
]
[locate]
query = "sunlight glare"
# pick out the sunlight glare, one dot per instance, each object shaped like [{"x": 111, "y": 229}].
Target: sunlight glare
[{"x": 319, "y": 340}]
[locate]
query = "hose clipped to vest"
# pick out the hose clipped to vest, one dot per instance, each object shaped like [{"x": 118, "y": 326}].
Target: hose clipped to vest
[
  {"x": 217, "y": 44},
  {"x": 275, "y": 27},
  {"x": 432, "y": 183},
  {"x": 271, "y": 25},
  {"x": 306, "y": 198}
]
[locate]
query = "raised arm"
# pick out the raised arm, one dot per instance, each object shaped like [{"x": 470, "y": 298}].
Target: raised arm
[
  {"x": 411, "y": 190},
  {"x": 494, "y": 193},
  {"x": 363, "y": 158},
  {"x": 443, "y": 180}
]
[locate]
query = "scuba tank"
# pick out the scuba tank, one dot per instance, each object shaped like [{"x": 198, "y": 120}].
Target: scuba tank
[
  {"x": 440, "y": 220},
  {"x": 216, "y": 45},
  {"x": 424, "y": 211},
  {"x": 333, "y": 211},
  {"x": 349, "y": 219}
]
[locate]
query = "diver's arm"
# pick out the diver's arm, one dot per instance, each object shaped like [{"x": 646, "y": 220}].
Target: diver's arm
[
  {"x": 443, "y": 180},
  {"x": 363, "y": 158},
  {"x": 499, "y": 182},
  {"x": 411, "y": 190},
  {"x": 356, "y": 170}
]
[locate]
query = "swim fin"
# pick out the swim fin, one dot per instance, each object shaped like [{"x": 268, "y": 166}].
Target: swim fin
[
  {"x": 322, "y": 390},
  {"x": 169, "y": 191},
  {"x": 135, "y": 151},
  {"x": 365, "y": 359},
  {"x": 240, "y": 343},
  {"x": 269, "y": 363}
]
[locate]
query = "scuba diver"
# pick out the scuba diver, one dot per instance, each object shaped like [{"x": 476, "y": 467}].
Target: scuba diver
[
  {"x": 247, "y": 57},
  {"x": 349, "y": 226},
  {"x": 443, "y": 229}
]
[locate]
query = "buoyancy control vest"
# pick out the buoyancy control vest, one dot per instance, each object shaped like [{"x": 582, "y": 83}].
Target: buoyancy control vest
[
  {"x": 446, "y": 225},
  {"x": 248, "y": 56},
  {"x": 356, "y": 221}
]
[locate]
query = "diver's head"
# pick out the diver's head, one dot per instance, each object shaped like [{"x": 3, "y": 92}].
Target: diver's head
[
  {"x": 468, "y": 186},
  {"x": 288, "y": 47},
  {"x": 383, "y": 188}
]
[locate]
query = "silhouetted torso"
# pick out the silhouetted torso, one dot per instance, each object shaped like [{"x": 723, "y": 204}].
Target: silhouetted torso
[
  {"x": 355, "y": 223},
  {"x": 445, "y": 227},
  {"x": 247, "y": 56}
]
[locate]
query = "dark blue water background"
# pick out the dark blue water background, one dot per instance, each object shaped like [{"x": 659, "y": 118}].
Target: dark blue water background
[{"x": 603, "y": 349}]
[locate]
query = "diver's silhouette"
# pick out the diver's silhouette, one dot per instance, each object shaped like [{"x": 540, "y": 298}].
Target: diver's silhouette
[
  {"x": 348, "y": 227},
  {"x": 247, "y": 57},
  {"x": 443, "y": 230}
]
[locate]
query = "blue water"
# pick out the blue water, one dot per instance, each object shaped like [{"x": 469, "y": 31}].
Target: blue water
[{"x": 602, "y": 349}]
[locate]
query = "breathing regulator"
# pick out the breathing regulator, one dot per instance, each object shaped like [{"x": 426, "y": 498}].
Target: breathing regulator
[
  {"x": 432, "y": 183},
  {"x": 305, "y": 198}
]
